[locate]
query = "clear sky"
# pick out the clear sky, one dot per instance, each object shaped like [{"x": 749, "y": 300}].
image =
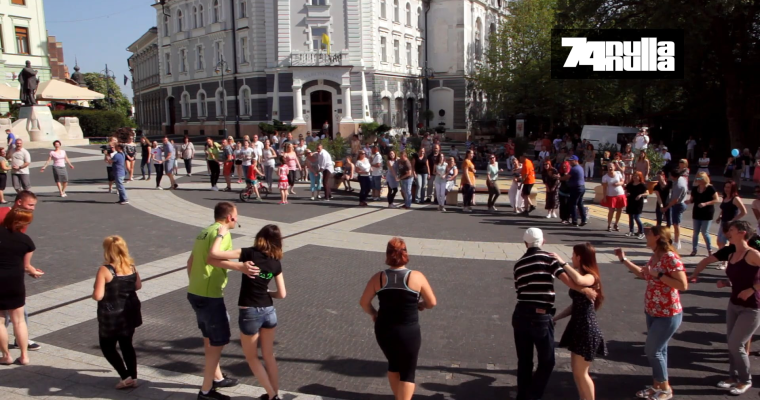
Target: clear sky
[{"x": 97, "y": 32}]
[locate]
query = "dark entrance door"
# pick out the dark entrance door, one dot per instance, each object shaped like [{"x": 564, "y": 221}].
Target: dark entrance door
[
  {"x": 410, "y": 115},
  {"x": 321, "y": 111},
  {"x": 172, "y": 116}
]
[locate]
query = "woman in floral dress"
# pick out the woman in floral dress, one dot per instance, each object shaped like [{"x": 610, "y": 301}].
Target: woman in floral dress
[
  {"x": 665, "y": 277},
  {"x": 550, "y": 177}
]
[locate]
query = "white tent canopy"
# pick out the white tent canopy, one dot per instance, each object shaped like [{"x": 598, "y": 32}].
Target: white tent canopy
[
  {"x": 8, "y": 93},
  {"x": 57, "y": 90}
]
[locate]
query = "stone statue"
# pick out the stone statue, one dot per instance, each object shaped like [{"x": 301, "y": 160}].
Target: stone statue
[
  {"x": 78, "y": 77},
  {"x": 28, "y": 80}
]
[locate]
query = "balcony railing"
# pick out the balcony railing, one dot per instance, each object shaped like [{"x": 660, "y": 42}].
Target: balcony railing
[{"x": 313, "y": 58}]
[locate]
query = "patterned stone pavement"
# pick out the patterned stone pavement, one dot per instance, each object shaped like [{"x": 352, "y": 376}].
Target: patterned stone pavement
[{"x": 325, "y": 343}]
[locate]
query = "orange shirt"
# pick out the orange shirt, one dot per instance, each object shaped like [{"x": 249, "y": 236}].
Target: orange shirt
[
  {"x": 468, "y": 177},
  {"x": 528, "y": 173}
]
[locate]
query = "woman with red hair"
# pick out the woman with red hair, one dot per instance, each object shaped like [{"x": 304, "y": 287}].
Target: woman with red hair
[
  {"x": 397, "y": 328},
  {"x": 636, "y": 192},
  {"x": 582, "y": 335},
  {"x": 17, "y": 249}
]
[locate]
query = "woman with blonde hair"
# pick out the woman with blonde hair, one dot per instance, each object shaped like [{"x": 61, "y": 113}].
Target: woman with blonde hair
[
  {"x": 703, "y": 199},
  {"x": 116, "y": 284},
  {"x": 642, "y": 165},
  {"x": 291, "y": 160},
  {"x": 257, "y": 318},
  {"x": 17, "y": 249},
  {"x": 665, "y": 276}
]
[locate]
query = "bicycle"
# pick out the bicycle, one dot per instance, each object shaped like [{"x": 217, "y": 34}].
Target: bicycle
[{"x": 248, "y": 194}]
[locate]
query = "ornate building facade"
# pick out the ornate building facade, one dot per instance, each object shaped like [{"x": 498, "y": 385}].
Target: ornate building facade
[
  {"x": 230, "y": 64},
  {"x": 148, "y": 100}
]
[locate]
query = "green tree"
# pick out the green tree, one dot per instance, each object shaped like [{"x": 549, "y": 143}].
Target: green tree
[{"x": 115, "y": 99}]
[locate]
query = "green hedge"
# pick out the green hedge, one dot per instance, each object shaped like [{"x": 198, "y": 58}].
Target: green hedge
[{"x": 96, "y": 123}]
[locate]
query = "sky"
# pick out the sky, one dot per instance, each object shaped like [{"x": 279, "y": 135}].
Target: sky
[{"x": 97, "y": 32}]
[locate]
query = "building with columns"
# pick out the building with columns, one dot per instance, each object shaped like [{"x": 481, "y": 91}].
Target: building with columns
[
  {"x": 148, "y": 100},
  {"x": 230, "y": 64}
]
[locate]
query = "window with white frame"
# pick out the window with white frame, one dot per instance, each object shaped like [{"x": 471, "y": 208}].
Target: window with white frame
[
  {"x": 419, "y": 56},
  {"x": 200, "y": 15},
  {"x": 186, "y": 113},
  {"x": 180, "y": 20},
  {"x": 419, "y": 18},
  {"x": 243, "y": 9},
  {"x": 182, "y": 60},
  {"x": 318, "y": 2},
  {"x": 408, "y": 14},
  {"x": 168, "y": 63},
  {"x": 218, "y": 52},
  {"x": 399, "y": 112},
  {"x": 316, "y": 38},
  {"x": 221, "y": 103},
  {"x": 200, "y": 63},
  {"x": 166, "y": 25},
  {"x": 383, "y": 11},
  {"x": 408, "y": 54},
  {"x": 478, "y": 31},
  {"x": 396, "y": 50},
  {"x": 202, "y": 107},
  {"x": 217, "y": 11},
  {"x": 383, "y": 49},
  {"x": 395, "y": 11},
  {"x": 245, "y": 101},
  {"x": 385, "y": 105},
  {"x": 195, "y": 17},
  {"x": 244, "y": 49}
]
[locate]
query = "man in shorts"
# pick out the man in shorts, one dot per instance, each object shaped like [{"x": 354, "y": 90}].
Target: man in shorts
[
  {"x": 376, "y": 172},
  {"x": 20, "y": 159},
  {"x": 677, "y": 204},
  {"x": 170, "y": 154},
  {"x": 228, "y": 158},
  {"x": 528, "y": 178},
  {"x": 205, "y": 292},
  {"x": 25, "y": 200}
]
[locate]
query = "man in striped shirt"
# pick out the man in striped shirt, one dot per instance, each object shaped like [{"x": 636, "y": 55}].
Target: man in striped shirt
[{"x": 534, "y": 275}]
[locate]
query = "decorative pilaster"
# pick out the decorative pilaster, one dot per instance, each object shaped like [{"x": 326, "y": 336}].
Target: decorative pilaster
[
  {"x": 346, "y": 104},
  {"x": 298, "y": 103},
  {"x": 366, "y": 116},
  {"x": 276, "y": 96}
]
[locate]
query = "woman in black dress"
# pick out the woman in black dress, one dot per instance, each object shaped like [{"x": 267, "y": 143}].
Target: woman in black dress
[
  {"x": 257, "y": 318},
  {"x": 636, "y": 192},
  {"x": 16, "y": 249},
  {"x": 582, "y": 335},
  {"x": 397, "y": 327},
  {"x": 119, "y": 314}
]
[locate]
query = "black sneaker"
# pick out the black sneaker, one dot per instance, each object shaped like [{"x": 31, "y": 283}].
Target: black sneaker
[
  {"x": 532, "y": 208},
  {"x": 225, "y": 382},
  {"x": 212, "y": 395},
  {"x": 31, "y": 346}
]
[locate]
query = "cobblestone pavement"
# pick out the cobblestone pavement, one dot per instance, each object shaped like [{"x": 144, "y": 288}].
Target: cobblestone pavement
[{"x": 325, "y": 344}]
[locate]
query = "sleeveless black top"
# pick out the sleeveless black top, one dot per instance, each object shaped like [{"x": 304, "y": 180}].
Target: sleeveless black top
[
  {"x": 728, "y": 211},
  {"x": 119, "y": 310},
  {"x": 398, "y": 303}
]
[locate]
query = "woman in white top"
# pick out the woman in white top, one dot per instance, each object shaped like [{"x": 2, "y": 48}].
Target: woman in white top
[
  {"x": 268, "y": 155},
  {"x": 157, "y": 155},
  {"x": 614, "y": 195},
  {"x": 60, "y": 159},
  {"x": 247, "y": 155},
  {"x": 441, "y": 179},
  {"x": 515, "y": 191},
  {"x": 704, "y": 164},
  {"x": 362, "y": 170},
  {"x": 239, "y": 161},
  {"x": 492, "y": 174},
  {"x": 300, "y": 151}
]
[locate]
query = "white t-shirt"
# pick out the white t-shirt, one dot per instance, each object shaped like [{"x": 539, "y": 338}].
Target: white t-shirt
[
  {"x": 641, "y": 142},
  {"x": 267, "y": 157},
  {"x": 18, "y": 158},
  {"x": 613, "y": 191},
  {"x": 158, "y": 155},
  {"x": 543, "y": 155},
  {"x": 704, "y": 162},
  {"x": 362, "y": 167},
  {"x": 247, "y": 155},
  {"x": 454, "y": 153},
  {"x": 257, "y": 148},
  {"x": 691, "y": 144},
  {"x": 377, "y": 159},
  {"x": 300, "y": 151},
  {"x": 667, "y": 156}
]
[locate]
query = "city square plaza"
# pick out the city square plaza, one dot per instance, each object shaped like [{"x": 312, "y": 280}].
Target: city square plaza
[{"x": 325, "y": 343}]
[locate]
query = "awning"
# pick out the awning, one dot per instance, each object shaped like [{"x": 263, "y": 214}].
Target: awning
[
  {"x": 54, "y": 89},
  {"x": 8, "y": 93}
]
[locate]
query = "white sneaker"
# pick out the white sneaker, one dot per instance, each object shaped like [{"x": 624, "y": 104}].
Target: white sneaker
[
  {"x": 214, "y": 188},
  {"x": 549, "y": 216},
  {"x": 312, "y": 198},
  {"x": 159, "y": 188},
  {"x": 494, "y": 209},
  {"x": 678, "y": 245}
]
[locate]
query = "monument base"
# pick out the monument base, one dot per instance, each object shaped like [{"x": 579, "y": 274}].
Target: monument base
[{"x": 40, "y": 118}]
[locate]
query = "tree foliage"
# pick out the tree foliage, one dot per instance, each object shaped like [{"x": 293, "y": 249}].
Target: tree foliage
[
  {"x": 96, "y": 123},
  {"x": 115, "y": 99}
]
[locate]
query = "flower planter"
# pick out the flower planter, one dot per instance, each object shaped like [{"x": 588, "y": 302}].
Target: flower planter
[{"x": 650, "y": 186}]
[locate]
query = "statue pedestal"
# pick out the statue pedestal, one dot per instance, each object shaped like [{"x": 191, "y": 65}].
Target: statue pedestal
[{"x": 39, "y": 123}]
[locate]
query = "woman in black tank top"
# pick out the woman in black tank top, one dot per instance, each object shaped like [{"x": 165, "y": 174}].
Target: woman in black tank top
[
  {"x": 397, "y": 328},
  {"x": 731, "y": 209}
]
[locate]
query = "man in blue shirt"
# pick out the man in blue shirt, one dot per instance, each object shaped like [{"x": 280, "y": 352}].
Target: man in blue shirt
[
  {"x": 169, "y": 155},
  {"x": 118, "y": 163},
  {"x": 576, "y": 185},
  {"x": 11, "y": 138}
]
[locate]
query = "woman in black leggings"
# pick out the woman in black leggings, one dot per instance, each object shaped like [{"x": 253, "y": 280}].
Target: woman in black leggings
[{"x": 397, "y": 326}]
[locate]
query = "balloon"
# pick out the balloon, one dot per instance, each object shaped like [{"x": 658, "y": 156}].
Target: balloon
[{"x": 735, "y": 152}]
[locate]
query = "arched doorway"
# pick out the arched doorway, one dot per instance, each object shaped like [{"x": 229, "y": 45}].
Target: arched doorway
[
  {"x": 410, "y": 115},
  {"x": 321, "y": 110},
  {"x": 171, "y": 110}
]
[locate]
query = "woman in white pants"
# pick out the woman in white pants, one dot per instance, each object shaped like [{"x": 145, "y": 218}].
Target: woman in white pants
[
  {"x": 588, "y": 161},
  {"x": 441, "y": 178}
]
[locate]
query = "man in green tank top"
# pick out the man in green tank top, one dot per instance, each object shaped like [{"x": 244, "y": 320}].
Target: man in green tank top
[{"x": 205, "y": 292}]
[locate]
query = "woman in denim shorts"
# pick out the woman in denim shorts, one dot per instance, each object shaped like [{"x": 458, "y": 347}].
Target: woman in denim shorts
[{"x": 257, "y": 317}]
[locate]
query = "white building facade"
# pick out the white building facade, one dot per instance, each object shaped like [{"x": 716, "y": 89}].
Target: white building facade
[
  {"x": 230, "y": 64},
  {"x": 23, "y": 37}
]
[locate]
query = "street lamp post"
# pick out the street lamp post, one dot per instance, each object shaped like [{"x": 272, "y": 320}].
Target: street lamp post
[
  {"x": 222, "y": 67},
  {"x": 107, "y": 74},
  {"x": 427, "y": 73}
]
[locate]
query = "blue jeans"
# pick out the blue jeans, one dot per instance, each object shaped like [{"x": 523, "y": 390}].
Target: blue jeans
[
  {"x": 659, "y": 332},
  {"x": 120, "y": 188},
  {"x": 315, "y": 181},
  {"x": 364, "y": 184},
  {"x": 406, "y": 189},
  {"x": 663, "y": 217},
  {"x": 703, "y": 227},
  {"x": 637, "y": 219},
  {"x": 212, "y": 318},
  {"x": 421, "y": 180},
  {"x": 676, "y": 212},
  {"x": 252, "y": 319},
  {"x": 532, "y": 329},
  {"x": 143, "y": 164},
  {"x": 576, "y": 204}
]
